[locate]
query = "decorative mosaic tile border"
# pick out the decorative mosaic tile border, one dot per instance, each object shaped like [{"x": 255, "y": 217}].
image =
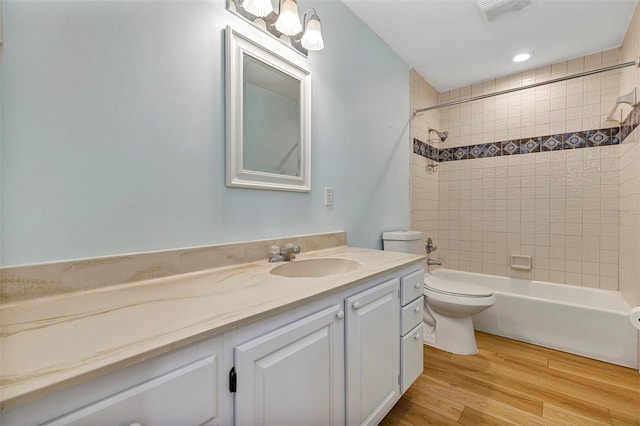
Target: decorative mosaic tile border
[{"x": 573, "y": 140}]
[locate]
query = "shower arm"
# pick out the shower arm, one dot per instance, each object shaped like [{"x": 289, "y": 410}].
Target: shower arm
[{"x": 635, "y": 63}]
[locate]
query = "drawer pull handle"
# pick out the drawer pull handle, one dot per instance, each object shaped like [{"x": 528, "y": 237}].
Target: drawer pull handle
[
  {"x": 340, "y": 315},
  {"x": 416, "y": 286},
  {"x": 135, "y": 424},
  {"x": 356, "y": 305},
  {"x": 417, "y": 336},
  {"x": 416, "y": 309}
]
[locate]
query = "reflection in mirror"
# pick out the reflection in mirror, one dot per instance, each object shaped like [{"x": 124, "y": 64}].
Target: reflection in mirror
[
  {"x": 268, "y": 114},
  {"x": 271, "y": 122}
]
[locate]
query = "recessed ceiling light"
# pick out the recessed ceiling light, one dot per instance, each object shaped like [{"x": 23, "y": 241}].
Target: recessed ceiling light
[{"x": 522, "y": 57}]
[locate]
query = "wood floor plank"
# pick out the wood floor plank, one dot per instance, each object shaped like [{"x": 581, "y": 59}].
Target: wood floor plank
[
  {"x": 618, "y": 422},
  {"x": 512, "y": 382},
  {"x": 407, "y": 412},
  {"x": 544, "y": 351},
  {"x": 532, "y": 349},
  {"x": 517, "y": 399},
  {"x": 517, "y": 379},
  {"x": 587, "y": 389},
  {"x": 618, "y": 418},
  {"x": 436, "y": 402},
  {"x": 567, "y": 417},
  {"x": 392, "y": 419},
  {"x": 471, "y": 417},
  {"x": 514, "y": 350},
  {"x": 482, "y": 403},
  {"x": 623, "y": 377}
]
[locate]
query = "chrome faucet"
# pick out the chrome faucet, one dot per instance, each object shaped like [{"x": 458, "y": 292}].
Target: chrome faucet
[
  {"x": 286, "y": 254},
  {"x": 430, "y": 248}
]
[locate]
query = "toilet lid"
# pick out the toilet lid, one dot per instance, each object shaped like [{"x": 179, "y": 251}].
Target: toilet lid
[{"x": 456, "y": 288}]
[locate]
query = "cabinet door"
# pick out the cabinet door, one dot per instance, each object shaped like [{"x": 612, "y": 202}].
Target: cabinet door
[
  {"x": 293, "y": 375},
  {"x": 373, "y": 353},
  {"x": 187, "y": 395},
  {"x": 412, "y": 355}
]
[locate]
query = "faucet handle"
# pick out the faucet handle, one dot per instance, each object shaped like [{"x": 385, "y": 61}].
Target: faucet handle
[
  {"x": 291, "y": 247},
  {"x": 275, "y": 254}
]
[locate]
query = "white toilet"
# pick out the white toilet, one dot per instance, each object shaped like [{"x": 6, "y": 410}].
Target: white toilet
[{"x": 449, "y": 304}]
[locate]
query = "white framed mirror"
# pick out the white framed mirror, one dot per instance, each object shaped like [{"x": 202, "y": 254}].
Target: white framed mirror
[{"x": 268, "y": 106}]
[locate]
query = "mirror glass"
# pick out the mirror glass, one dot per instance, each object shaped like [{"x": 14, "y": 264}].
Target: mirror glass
[
  {"x": 271, "y": 119},
  {"x": 268, "y": 114}
]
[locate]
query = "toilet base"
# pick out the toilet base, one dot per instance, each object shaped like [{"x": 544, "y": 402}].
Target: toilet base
[{"x": 453, "y": 335}]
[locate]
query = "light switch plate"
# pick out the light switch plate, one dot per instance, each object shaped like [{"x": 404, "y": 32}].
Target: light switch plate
[{"x": 328, "y": 196}]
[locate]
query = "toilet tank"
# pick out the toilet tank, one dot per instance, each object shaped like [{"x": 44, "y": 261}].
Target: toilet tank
[{"x": 403, "y": 241}]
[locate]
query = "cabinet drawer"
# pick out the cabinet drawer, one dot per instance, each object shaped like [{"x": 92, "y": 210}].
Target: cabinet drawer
[
  {"x": 187, "y": 395},
  {"x": 411, "y": 287},
  {"x": 411, "y": 315},
  {"x": 412, "y": 356}
]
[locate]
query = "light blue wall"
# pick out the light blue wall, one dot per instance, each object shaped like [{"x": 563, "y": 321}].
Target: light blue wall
[{"x": 113, "y": 132}]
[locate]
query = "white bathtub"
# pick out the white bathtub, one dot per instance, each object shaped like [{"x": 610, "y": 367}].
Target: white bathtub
[{"x": 584, "y": 321}]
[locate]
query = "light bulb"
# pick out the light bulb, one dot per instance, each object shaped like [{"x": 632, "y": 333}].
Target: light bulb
[
  {"x": 258, "y": 7},
  {"x": 312, "y": 38},
  {"x": 522, "y": 57},
  {"x": 289, "y": 22}
]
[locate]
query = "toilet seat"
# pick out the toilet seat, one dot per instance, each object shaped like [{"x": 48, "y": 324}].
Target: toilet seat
[{"x": 456, "y": 288}]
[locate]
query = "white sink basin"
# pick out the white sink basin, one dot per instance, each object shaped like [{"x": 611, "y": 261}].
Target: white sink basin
[{"x": 315, "y": 267}]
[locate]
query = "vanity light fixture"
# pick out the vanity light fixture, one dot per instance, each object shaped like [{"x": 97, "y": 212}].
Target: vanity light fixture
[
  {"x": 312, "y": 37},
  {"x": 281, "y": 19},
  {"x": 259, "y": 8},
  {"x": 289, "y": 22},
  {"x": 521, "y": 57}
]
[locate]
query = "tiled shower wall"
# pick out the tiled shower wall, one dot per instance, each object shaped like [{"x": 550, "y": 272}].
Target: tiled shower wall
[
  {"x": 569, "y": 106},
  {"x": 424, "y": 180},
  {"x": 629, "y": 210},
  {"x": 561, "y": 207},
  {"x": 576, "y": 211}
]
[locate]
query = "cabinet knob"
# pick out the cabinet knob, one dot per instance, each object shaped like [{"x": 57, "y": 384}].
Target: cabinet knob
[
  {"x": 356, "y": 305},
  {"x": 416, "y": 286},
  {"x": 417, "y": 336},
  {"x": 416, "y": 309},
  {"x": 340, "y": 315}
]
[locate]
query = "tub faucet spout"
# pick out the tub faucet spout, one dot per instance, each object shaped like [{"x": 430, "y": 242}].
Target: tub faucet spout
[{"x": 434, "y": 262}]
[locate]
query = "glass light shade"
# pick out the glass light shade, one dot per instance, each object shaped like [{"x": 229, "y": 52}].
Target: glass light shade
[
  {"x": 312, "y": 38},
  {"x": 289, "y": 22},
  {"x": 258, "y": 7}
]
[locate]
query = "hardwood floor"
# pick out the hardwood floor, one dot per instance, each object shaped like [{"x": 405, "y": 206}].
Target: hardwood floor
[{"x": 514, "y": 383}]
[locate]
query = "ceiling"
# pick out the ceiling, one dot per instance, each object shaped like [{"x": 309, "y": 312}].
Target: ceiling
[{"x": 451, "y": 43}]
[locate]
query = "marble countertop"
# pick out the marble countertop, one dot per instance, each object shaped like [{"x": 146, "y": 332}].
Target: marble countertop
[{"x": 51, "y": 343}]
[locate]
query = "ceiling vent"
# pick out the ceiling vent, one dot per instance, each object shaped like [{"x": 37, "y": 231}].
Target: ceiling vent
[{"x": 493, "y": 9}]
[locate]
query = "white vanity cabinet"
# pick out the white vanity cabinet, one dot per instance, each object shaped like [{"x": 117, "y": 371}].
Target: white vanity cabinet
[
  {"x": 372, "y": 352},
  {"x": 340, "y": 358},
  {"x": 411, "y": 340},
  {"x": 293, "y": 373},
  {"x": 178, "y": 388},
  {"x": 187, "y": 395}
]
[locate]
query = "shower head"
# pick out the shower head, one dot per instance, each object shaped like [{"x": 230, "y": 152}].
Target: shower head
[{"x": 441, "y": 135}]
